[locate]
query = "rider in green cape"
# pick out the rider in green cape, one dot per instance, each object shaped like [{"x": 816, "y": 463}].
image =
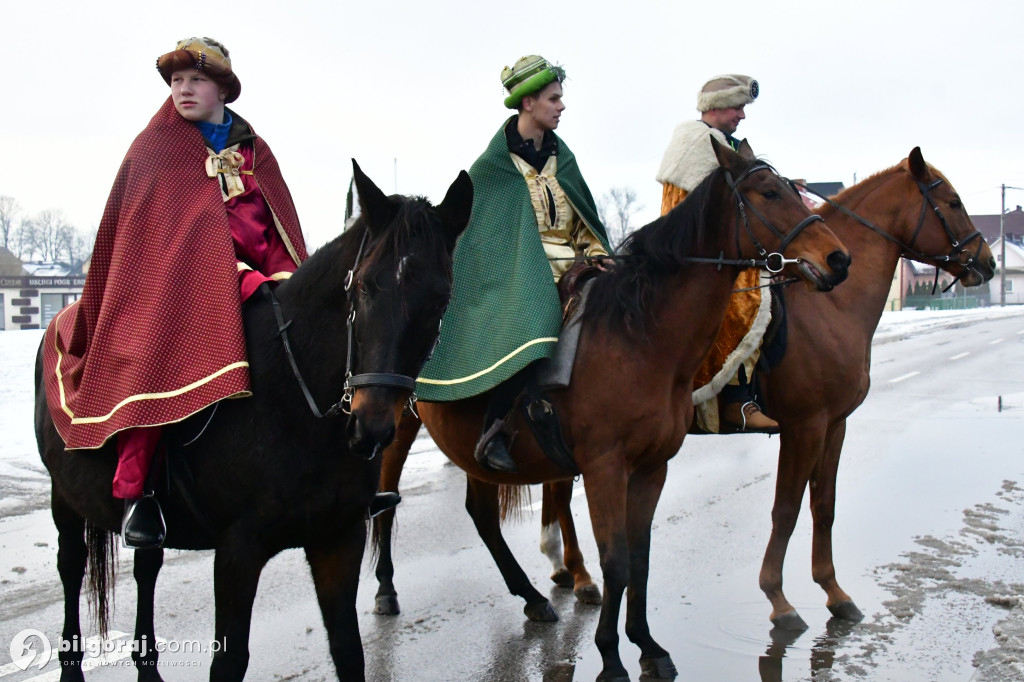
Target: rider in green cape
[{"x": 532, "y": 214}]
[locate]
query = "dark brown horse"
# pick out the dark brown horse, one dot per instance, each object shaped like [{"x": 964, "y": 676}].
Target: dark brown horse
[
  {"x": 265, "y": 473},
  {"x": 647, "y": 325},
  {"x": 910, "y": 210}
]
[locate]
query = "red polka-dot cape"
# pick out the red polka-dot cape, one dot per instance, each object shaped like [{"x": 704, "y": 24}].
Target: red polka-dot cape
[{"x": 157, "y": 334}]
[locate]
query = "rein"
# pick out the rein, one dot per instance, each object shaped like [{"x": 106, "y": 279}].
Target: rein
[
  {"x": 772, "y": 262},
  {"x": 352, "y": 381},
  {"x": 957, "y": 247}
]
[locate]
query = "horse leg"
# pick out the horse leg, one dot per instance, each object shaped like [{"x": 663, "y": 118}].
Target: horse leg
[
  {"x": 147, "y": 566},
  {"x": 799, "y": 450},
  {"x": 823, "y": 510},
  {"x": 386, "y": 601},
  {"x": 236, "y": 573},
  {"x": 335, "y": 569},
  {"x": 568, "y": 566},
  {"x": 482, "y": 505},
  {"x": 72, "y": 556},
  {"x": 550, "y": 535},
  {"x": 644, "y": 491},
  {"x": 606, "y": 488}
]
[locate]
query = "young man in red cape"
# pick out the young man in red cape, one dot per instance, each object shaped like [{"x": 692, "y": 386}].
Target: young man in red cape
[{"x": 198, "y": 218}]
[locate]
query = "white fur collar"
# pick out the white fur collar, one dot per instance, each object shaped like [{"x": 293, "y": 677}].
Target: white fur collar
[{"x": 689, "y": 157}]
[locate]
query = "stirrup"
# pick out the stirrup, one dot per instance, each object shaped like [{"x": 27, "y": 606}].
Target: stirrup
[
  {"x": 383, "y": 501},
  {"x": 143, "y": 538},
  {"x": 771, "y": 428}
]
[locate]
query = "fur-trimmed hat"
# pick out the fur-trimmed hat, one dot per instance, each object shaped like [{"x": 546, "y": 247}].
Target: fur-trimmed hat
[
  {"x": 202, "y": 54},
  {"x": 530, "y": 75},
  {"x": 727, "y": 92}
]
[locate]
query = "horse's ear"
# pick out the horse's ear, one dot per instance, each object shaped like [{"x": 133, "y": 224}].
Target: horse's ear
[
  {"x": 918, "y": 168},
  {"x": 377, "y": 208},
  {"x": 727, "y": 158},
  {"x": 457, "y": 205},
  {"x": 745, "y": 150}
]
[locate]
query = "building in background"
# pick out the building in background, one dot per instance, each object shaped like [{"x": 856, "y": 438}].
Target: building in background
[{"x": 31, "y": 294}]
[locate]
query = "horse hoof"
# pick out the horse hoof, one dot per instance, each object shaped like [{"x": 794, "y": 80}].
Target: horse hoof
[
  {"x": 386, "y": 605},
  {"x": 588, "y": 594},
  {"x": 563, "y": 578},
  {"x": 790, "y": 621},
  {"x": 660, "y": 668},
  {"x": 847, "y": 610},
  {"x": 616, "y": 676},
  {"x": 541, "y": 612}
]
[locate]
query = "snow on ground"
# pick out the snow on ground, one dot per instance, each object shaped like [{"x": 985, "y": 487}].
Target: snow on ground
[
  {"x": 24, "y": 485},
  {"x": 905, "y": 323}
]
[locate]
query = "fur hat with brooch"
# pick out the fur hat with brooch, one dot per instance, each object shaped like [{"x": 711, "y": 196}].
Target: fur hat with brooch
[
  {"x": 205, "y": 55},
  {"x": 727, "y": 92}
]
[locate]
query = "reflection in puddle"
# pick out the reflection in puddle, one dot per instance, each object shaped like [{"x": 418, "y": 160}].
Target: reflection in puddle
[{"x": 823, "y": 651}]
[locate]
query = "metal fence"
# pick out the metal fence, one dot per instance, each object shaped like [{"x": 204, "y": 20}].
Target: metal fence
[{"x": 943, "y": 303}]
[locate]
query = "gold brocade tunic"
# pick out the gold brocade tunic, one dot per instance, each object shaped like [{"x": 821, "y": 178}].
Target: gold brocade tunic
[{"x": 568, "y": 236}]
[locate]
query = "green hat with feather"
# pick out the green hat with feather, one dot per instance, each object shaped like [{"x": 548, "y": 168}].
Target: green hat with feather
[{"x": 530, "y": 75}]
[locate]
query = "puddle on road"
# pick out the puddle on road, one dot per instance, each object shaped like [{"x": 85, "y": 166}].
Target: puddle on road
[{"x": 950, "y": 610}]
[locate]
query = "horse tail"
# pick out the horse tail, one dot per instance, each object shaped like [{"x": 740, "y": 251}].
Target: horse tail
[
  {"x": 510, "y": 501},
  {"x": 374, "y": 537},
  {"x": 102, "y": 573}
]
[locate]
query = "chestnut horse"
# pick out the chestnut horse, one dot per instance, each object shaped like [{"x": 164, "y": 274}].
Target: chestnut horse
[
  {"x": 645, "y": 328},
  {"x": 910, "y": 210},
  {"x": 266, "y": 473}
]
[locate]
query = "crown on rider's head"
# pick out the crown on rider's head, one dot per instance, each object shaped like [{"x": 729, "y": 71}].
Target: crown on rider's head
[
  {"x": 530, "y": 75},
  {"x": 727, "y": 92},
  {"x": 203, "y": 54}
]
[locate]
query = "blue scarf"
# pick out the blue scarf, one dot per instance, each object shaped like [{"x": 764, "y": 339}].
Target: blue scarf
[{"x": 216, "y": 133}]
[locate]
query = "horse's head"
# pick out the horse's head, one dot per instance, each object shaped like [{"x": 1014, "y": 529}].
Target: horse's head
[
  {"x": 774, "y": 224},
  {"x": 944, "y": 235},
  {"x": 398, "y": 291}
]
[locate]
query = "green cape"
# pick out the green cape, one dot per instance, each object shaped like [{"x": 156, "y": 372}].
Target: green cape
[{"x": 504, "y": 311}]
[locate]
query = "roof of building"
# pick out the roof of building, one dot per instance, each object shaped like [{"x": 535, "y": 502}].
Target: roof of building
[
  {"x": 828, "y": 189},
  {"x": 47, "y": 269},
  {"x": 10, "y": 265},
  {"x": 1013, "y": 225}
]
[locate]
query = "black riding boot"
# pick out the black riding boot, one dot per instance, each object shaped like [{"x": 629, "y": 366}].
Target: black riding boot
[
  {"x": 143, "y": 525},
  {"x": 492, "y": 450}
]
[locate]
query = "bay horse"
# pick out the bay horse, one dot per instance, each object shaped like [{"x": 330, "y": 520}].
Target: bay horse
[
  {"x": 910, "y": 210},
  {"x": 646, "y": 325},
  {"x": 265, "y": 473}
]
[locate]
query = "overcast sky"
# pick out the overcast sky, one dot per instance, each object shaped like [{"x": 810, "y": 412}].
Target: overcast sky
[{"x": 847, "y": 89}]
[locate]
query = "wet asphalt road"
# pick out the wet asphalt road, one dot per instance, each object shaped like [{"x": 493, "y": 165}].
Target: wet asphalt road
[{"x": 929, "y": 542}]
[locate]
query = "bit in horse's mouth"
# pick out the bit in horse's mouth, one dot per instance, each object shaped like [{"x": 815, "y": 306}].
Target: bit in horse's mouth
[{"x": 812, "y": 273}]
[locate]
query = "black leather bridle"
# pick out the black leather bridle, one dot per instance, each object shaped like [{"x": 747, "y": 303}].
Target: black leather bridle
[
  {"x": 958, "y": 247},
  {"x": 352, "y": 381},
  {"x": 773, "y": 266}
]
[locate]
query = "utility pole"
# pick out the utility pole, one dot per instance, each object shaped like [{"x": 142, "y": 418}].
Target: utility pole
[{"x": 1002, "y": 248}]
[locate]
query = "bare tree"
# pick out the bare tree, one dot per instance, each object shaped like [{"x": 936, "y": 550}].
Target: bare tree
[
  {"x": 9, "y": 209},
  {"x": 77, "y": 247},
  {"x": 616, "y": 209},
  {"x": 23, "y": 240},
  {"x": 52, "y": 234}
]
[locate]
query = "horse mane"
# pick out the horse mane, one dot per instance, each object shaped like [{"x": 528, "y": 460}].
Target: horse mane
[
  {"x": 383, "y": 253},
  {"x": 413, "y": 211},
  {"x": 854, "y": 193},
  {"x": 624, "y": 298}
]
